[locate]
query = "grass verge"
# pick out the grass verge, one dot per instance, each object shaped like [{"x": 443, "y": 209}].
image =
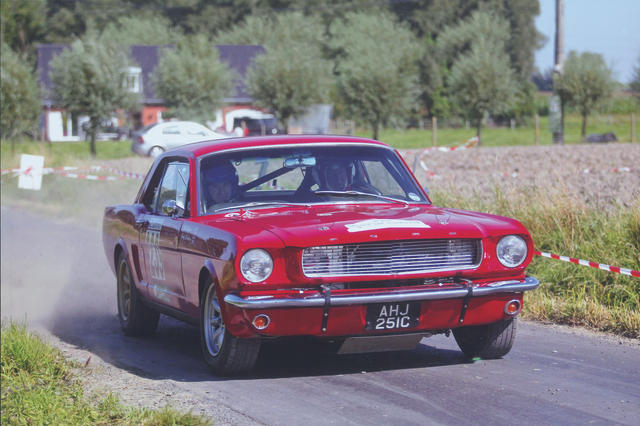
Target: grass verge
[
  {"x": 59, "y": 154},
  {"x": 562, "y": 224},
  {"x": 39, "y": 387}
]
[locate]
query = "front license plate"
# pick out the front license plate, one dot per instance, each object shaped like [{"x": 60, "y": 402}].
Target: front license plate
[{"x": 392, "y": 316}]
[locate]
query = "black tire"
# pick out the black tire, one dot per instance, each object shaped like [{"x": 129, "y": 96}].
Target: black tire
[
  {"x": 488, "y": 341},
  {"x": 225, "y": 354},
  {"x": 136, "y": 319}
]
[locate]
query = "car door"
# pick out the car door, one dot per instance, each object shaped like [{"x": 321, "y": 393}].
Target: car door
[
  {"x": 160, "y": 230},
  {"x": 196, "y": 132},
  {"x": 173, "y": 135}
]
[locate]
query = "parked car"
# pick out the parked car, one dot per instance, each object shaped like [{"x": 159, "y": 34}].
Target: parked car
[
  {"x": 257, "y": 126},
  {"x": 324, "y": 236},
  {"x": 157, "y": 138}
]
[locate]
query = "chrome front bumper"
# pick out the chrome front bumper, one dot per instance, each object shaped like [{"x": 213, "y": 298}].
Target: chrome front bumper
[{"x": 319, "y": 299}]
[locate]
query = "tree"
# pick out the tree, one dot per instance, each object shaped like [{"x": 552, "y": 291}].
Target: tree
[
  {"x": 634, "y": 84},
  {"x": 293, "y": 74},
  {"x": 23, "y": 23},
  {"x": 585, "y": 83},
  {"x": 376, "y": 66},
  {"x": 153, "y": 30},
  {"x": 288, "y": 80},
  {"x": 192, "y": 80},
  {"x": 19, "y": 96},
  {"x": 481, "y": 80},
  {"x": 88, "y": 79}
]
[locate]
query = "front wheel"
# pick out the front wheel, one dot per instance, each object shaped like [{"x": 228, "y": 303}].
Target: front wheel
[
  {"x": 488, "y": 341},
  {"x": 136, "y": 319},
  {"x": 224, "y": 353}
]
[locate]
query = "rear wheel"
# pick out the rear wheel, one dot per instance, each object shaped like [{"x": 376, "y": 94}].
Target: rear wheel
[
  {"x": 487, "y": 341},
  {"x": 224, "y": 353},
  {"x": 136, "y": 319}
]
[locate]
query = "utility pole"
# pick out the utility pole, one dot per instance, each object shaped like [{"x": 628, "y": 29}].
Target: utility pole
[{"x": 556, "y": 105}]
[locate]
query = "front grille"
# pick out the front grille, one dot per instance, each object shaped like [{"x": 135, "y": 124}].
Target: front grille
[{"x": 391, "y": 257}]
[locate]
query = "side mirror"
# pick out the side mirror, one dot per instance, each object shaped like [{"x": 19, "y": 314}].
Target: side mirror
[{"x": 172, "y": 208}]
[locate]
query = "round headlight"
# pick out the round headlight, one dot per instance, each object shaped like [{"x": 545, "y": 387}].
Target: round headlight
[
  {"x": 512, "y": 251},
  {"x": 256, "y": 265}
]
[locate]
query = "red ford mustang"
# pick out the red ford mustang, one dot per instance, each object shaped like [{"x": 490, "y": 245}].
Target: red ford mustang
[{"x": 324, "y": 236}]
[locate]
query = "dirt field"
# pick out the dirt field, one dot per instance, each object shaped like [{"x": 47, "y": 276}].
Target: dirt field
[{"x": 591, "y": 172}]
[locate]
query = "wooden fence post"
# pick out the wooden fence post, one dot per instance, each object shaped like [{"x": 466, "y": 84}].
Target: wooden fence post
[{"x": 434, "y": 130}]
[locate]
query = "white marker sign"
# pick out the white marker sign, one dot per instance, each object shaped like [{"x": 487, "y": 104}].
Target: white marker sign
[
  {"x": 371, "y": 224},
  {"x": 31, "y": 172}
]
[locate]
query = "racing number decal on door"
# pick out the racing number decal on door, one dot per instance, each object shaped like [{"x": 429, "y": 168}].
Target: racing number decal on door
[{"x": 152, "y": 237}]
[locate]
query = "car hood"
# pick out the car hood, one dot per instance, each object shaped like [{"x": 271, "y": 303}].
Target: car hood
[{"x": 351, "y": 223}]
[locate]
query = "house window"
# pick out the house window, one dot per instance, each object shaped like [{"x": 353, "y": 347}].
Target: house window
[{"x": 133, "y": 79}]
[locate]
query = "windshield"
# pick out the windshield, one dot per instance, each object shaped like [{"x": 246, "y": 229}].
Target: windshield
[{"x": 303, "y": 175}]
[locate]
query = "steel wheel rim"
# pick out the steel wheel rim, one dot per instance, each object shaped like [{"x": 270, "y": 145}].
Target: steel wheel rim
[
  {"x": 213, "y": 325},
  {"x": 124, "y": 291}
]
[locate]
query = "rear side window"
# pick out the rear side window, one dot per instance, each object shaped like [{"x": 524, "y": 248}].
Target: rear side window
[{"x": 171, "y": 130}]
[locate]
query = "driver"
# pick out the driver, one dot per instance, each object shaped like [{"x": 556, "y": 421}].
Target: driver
[
  {"x": 220, "y": 183},
  {"x": 337, "y": 175}
]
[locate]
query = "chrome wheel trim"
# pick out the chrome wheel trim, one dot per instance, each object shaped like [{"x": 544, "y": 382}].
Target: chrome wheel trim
[
  {"x": 213, "y": 324},
  {"x": 124, "y": 292}
]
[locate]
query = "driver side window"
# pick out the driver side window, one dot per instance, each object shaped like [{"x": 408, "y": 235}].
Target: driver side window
[{"x": 174, "y": 186}]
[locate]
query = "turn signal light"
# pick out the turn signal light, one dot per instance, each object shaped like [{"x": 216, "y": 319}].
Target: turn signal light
[
  {"x": 261, "y": 321},
  {"x": 512, "y": 307}
]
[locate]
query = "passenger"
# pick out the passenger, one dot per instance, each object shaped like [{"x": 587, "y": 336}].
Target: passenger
[{"x": 220, "y": 183}]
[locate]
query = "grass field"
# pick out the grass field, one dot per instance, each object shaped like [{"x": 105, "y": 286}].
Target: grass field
[
  {"x": 39, "y": 386},
  {"x": 63, "y": 153},
  {"x": 521, "y": 135}
]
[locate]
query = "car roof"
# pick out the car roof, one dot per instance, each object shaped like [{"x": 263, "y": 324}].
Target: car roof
[
  {"x": 198, "y": 149},
  {"x": 180, "y": 122}
]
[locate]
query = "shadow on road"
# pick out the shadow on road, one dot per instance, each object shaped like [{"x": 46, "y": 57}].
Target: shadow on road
[{"x": 174, "y": 352}]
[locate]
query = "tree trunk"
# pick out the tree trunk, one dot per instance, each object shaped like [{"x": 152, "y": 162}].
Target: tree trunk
[
  {"x": 375, "y": 131},
  {"x": 479, "y": 131},
  {"x": 92, "y": 143},
  {"x": 584, "y": 126}
]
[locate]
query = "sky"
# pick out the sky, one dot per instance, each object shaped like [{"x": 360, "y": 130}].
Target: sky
[{"x": 608, "y": 27}]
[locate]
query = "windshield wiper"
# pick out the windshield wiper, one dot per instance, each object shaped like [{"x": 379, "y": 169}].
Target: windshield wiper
[
  {"x": 366, "y": 194},
  {"x": 259, "y": 204}
]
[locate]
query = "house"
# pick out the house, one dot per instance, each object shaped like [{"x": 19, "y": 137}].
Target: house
[{"x": 61, "y": 126}]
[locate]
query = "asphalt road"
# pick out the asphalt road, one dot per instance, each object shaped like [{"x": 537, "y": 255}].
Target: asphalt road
[{"x": 55, "y": 274}]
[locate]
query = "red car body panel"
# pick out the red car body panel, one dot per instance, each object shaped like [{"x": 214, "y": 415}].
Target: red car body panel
[{"x": 181, "y": 251}]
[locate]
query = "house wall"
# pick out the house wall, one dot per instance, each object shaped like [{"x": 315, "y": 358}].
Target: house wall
[
  {"x": 152, "y": 114},
  {"x": 59, "y": 126}
]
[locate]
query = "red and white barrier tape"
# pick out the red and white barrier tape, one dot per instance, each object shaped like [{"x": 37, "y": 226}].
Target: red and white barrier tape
[
  {"x": 88, "y": 177},
  {"x": 65, "y": 171},
  {"x": 616, "y": 269},
  {"x": 122, "y": 173},
  {"x": 614, "y": 170},
  {"x": 468, "y": 144}
]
